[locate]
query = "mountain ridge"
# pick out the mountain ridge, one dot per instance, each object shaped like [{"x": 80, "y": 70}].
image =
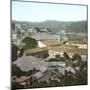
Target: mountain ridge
[{"x": 54, "y": 25}]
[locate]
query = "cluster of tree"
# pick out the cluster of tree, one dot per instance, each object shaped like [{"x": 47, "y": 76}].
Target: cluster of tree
[
  {"x": 57, "y": 58},
  {"x": 29, "y": 43},
  {"x": 79, "y": 78},
  {"x": 16, "y": 85},
  {"x": 66, "y": 56}
]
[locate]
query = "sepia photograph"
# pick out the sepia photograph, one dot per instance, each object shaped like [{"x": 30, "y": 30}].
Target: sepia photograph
[{"x": 49, "y": 44}]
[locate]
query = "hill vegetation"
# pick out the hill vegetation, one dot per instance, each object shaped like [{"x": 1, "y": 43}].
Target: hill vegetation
[{"x": 56, "y": 26}]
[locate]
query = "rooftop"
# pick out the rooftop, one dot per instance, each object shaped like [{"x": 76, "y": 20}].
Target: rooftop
[
  {"x": 35, "y": 50},
  {"x": 27, "y": 63},
  {"x": 51, "y": 42},
  {"x": 69, "y": 50},
  {"x": 46, "y": 36},
  {"x": 22, "y": 79},
  {"x": 79, "y": 41}
]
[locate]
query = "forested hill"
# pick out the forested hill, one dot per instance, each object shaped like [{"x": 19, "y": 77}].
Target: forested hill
[{"x": 56, "y": 26}]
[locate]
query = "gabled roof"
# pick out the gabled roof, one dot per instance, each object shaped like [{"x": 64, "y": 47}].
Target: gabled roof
[{"x": 35, "y": 50}]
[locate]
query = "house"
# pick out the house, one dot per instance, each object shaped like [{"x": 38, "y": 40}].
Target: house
[
  {"x": 23, "y": 80},
  {"x": 60, "y": 66},
  {"x": 46, "y": 43},
  {"x": 37, "y": 52},
  {"x": 47, "y": 76},
  {"x": 38, "y": 75},
  {"x": 78, "y": 43},
  {"x": 70, "y": 69},
  {"x": 53, "y": 71}
]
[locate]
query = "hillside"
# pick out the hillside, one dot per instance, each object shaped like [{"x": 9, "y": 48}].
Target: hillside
[{"x": 56, "y": 26}]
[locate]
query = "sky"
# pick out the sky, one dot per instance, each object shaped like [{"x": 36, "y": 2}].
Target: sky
[{"x": 38, "y": 12}]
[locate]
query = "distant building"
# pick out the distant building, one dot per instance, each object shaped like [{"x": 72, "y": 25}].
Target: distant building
[
  {"x": 41, "y": 44},
  {"x": 70, "y": 51},
  {"x": 79, "y": 43},
  {"x": 46, "y": 36}
]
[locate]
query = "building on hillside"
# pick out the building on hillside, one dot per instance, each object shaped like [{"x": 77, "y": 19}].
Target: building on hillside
[{"x": 46, "y": 36}]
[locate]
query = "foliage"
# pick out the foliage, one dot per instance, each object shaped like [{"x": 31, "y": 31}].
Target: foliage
[
  {"x": 16, "y": 85},
  {"x": 37, "y": 29},
  {"x": 66, "y": 55},
  {"x": 57, "y": 56},
  {"x": 76, "y": 57},
  {"x": 29, "y": 42},
  {"x": 69, "y": 79},
  {"x": 16, "y": 71},
  {"x": 56, "y": 59}
]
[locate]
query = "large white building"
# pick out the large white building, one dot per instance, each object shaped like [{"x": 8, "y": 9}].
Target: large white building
[{"x": 79, "y": 44}]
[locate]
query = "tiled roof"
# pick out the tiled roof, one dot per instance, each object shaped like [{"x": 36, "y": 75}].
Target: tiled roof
[{"x": 35, "y": 50}]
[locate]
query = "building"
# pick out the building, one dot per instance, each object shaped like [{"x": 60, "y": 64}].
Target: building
[
  {"x": 46, "y": 36},
  {"x": 78, "y": 43},
  {"x": 46, "y": 43},
  {"x": 54, "y": 71},
  {"x": 37, "y": 52},
  {"x": 23, "y": 80},
  {"x": 70, "y": 51}
]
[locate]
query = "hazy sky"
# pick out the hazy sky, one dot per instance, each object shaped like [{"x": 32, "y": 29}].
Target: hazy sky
[{"x": 36, "y": 12}]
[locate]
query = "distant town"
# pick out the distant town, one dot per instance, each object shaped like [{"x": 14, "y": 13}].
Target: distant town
[{"x": 48, "y": 55}]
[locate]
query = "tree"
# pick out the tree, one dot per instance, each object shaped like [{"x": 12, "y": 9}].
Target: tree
[
  {"x": 16, "y": 85},
  {"x": 57, "y": 56},
  {"x": 29, "y": 42},
  {"x": 14, "y": 52},
  {"x": 76, "y": 57},
  {"x": 57, "y": 59},
  {"x": 66, "y": 55},
  {"x": 37, "y": 29}
]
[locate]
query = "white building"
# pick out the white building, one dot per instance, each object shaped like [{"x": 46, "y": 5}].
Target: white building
[
  {"x": 79, "y": 44},
  {"x": 41, "y": 44},
  {"x": 53, "y": 51},
  {"x": 46, "y": 43}
]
